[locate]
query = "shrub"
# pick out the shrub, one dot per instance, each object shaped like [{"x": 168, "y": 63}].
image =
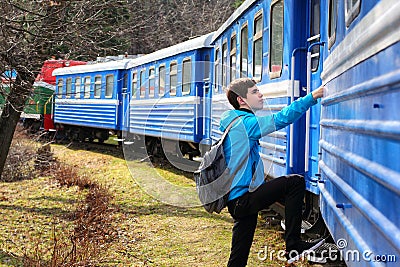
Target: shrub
[{"x": 20, "y": 159}]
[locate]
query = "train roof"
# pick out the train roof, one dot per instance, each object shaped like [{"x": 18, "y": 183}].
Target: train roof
[
  {"x": 235, "y": 15},
  {"x": 46, "y": 73},
  {"x": 195, "y": 43},
  {"x": 111, "y": 65}
]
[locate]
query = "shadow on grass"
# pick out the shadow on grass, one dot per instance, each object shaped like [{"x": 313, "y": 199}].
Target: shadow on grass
[
  {"x": 10, "y": 259},
  {"x": 178, "y": 167},
  {"x": 171, "y": 211},
  {"x": 107, "y": 149},
  {"x": 55, "y": 199},
  {"x": 51, "y": 212}
]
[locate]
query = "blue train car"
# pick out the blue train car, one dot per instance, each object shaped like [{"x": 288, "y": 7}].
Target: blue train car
[
  {"x": 360, "y": 130},
  {"x": 167, "y": 111},
  {"x": 348, "y": 147},
  {"x": 258, "y": 41},
  {"x": 88, "y": 100}
]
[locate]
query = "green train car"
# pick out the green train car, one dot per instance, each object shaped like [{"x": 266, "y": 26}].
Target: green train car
[
  {"x": 39, "y": 108},
  {"x": 7, "y": 78}
]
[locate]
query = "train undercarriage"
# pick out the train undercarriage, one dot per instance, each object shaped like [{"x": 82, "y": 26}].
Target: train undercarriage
[
  {"x": 180, "y": 154},
  {"x": 82, "y": 134}
]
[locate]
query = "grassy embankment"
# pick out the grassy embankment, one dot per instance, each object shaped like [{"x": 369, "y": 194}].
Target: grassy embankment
[{"x": 146, "y": 231}]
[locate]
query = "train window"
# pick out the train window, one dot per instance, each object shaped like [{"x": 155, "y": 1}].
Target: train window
[
  {"x": 125, "y": 81},
  {"x": 60, "y": 87},
  {"x": 332, "y": 22},
  {"x": 315, "y": 32},
  {"x": 173, "y": 80},
  {"x": 233, "y": 58},
  {"x": 134, "y": 84},
  {"x": 315, "y": 18},
  {"x": 352, "y": 8},
  {"x": 77, "y": 87},
  {"x": 244, "y": 46},
  {"x": 186, "y": 76},
  {"x": 82, "y": 88},
  {"x": 276, "y": 40},
  {"x": 152, "y": 78},
  {"x": 217, "y": 71},
  {"x": 207, "y": 73},
  {"x": 257, "y": 47},
  {"x": 97, "y": 86},
  {"x": 68, "y": 87},
  {"x": 109, "y": 85},
  {"x": 87, "y": 87},
  {"x": 161, "y": 80},
  {"x": 224, "y": 64},
  {"x": 142, "y": 83}
]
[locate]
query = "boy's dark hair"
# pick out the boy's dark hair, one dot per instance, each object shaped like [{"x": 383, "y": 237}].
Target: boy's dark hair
[{"x": 240, "y": 88}]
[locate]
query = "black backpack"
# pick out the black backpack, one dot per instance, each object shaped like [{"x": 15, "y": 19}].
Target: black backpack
[{"x": 213, "y": 181}]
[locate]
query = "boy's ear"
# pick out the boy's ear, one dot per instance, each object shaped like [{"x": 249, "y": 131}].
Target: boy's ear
[{"x": 240, "y": 100}]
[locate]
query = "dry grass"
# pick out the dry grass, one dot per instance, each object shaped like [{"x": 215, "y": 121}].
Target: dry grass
[
  {"x": 133, "y": 230},
  {"x": 79, "y": 237}
]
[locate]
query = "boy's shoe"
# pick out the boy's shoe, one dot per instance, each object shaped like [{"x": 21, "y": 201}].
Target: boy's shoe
[
  {"x": 305, "y": 226},
  {"x": 323, "y": 253},
  {"x": 301, "y": 249},
  {"x": 326, "y": 252}
]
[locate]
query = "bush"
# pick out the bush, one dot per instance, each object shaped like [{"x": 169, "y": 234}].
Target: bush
[
  {"x": 20, "y": 162},
  {"x": 26, "y": 159},
  {"x": 93, "y": 225},
  {"x": 93, "y": 230}
]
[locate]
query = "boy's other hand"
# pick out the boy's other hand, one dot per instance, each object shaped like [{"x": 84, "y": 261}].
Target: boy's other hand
[{"x": 318, "y": 93}]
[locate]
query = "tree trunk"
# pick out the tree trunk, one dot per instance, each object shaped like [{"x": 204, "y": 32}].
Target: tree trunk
[
  {"x": 7, "y": 128},
  {"x": 9, "y": 118}
]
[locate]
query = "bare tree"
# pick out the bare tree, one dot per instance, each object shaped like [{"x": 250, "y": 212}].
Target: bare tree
[
  {"x": 31, "y": 31},
  {"x": 167, "y": 22}
]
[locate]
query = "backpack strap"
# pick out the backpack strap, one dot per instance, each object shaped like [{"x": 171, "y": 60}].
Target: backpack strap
[{"x": 228, "y": 128}]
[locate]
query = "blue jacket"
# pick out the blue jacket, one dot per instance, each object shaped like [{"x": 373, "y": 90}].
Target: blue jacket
[{"x": 243, "y": 142}]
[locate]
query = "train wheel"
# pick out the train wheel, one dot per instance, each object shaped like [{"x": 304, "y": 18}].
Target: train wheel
[{"x": 151, "y": 146}]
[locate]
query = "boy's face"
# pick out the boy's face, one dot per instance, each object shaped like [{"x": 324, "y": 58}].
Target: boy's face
[{"x": 254, "y": 100}]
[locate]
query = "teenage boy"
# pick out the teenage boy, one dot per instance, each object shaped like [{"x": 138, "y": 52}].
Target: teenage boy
[{"x": 249, "y": 192}]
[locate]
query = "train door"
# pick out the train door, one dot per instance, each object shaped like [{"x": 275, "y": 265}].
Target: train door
[
  {"x": 207, "y": 98},
  {"x": 125, "y": 98},
  {"x": 314, "y": 68},
  {"x": 205, "y": 103}
]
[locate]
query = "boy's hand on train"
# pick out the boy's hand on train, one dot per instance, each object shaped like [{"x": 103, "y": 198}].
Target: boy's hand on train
[{"x": 318, "y": 93}]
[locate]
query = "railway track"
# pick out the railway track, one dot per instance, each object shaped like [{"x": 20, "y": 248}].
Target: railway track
[{"x": 179, "y": 165}]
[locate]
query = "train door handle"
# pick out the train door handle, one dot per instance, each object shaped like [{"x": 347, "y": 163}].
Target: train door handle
[
  {"x": 292, "y": 83},
  {"x": 307, "y": 140}
]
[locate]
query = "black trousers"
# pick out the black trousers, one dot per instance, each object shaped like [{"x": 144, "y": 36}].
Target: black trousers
[{"x": 244, "y": 210}]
